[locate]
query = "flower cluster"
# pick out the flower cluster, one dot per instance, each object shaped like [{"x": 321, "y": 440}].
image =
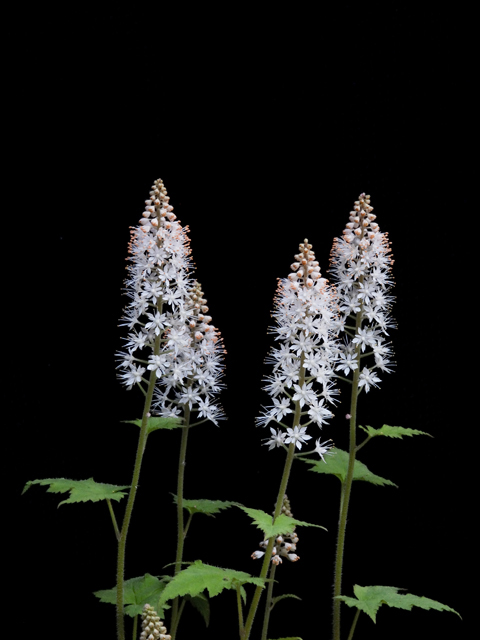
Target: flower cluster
[
  {"x": 170, "y": 332},
  {"x": 152, "y": 627},
  {"x": 361, "y": 268},
  {"x": 303, "y": 363},
  {"x": 285, "y": 545},
  {"x": 192, "y": 368}
]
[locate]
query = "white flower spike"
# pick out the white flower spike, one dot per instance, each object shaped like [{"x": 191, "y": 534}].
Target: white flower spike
[
  {"x": 303, "y": 363},
  {"x": 361, "y": 265},
  {"x": 167, "y": 317}
]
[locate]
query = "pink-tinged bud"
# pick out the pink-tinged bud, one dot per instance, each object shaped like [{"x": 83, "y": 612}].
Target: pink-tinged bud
[
  {"x": 294, "y": 266},
  {"x": 277, "y": 560},
  {"x": 257, "y": 554},
  {"x": 309, "y": 282},
  {"x": 199, "y": 335},
  {"x": 293, "y": 557},
  {"x": 348, "y": 416}
]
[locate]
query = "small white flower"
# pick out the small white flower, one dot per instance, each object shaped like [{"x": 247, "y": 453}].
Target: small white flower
[
  {"x": 277, "y": 439},
  {"x": 322, "y": 448},
  {"x": 304, "y": 394},
  {"x": 367, "y": 379},
  {"x": 298, "y": 436},
  {"x": 133, "y": 376},
  {"x": 348, "y": 361},
  {"x": 319, "y": 413}
]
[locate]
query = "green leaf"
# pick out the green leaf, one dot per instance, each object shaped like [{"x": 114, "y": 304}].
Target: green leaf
[
  {"x": 282, "y": 525},
  {"x": 198, "y": 577},
  {"x": 81, "y": 490},
  {"x": 158, "y": 423},
  {"x": 202, "y": 605},
  {"x": 337, "y": 465},
  {"x": 369, "y": 600},
  {"x": 208, "y": 507},
  {"x": 137, "y": 592},
  {"x": 393, "y": 432}
]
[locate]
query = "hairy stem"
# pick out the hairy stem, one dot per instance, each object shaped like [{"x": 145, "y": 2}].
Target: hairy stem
[
  {"x": 181, "y": 532},
  {"x": 268, "y": 552},
  {"x": 268, "y": 604},
  {"x": 142, "y": 441},
  {"x": 346, "y": 491}
]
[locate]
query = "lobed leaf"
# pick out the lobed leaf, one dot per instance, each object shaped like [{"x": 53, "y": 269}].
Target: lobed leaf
[
  {"x": 369, "y": 600},
  {"x": 137, "y": 592},
  {"x": 154, "y": 423},
  {"x": 199, "y": 577},
  {"x": 81, "y": 490},
  {"x": 393, "y": 432},
  {"x": 282, "y": 525},
  {"x": 337, "y": 465},
  {"x": 208, "y": 507}
]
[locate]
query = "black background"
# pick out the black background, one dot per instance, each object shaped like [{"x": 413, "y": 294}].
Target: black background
[{"x": 265, "y": 127}]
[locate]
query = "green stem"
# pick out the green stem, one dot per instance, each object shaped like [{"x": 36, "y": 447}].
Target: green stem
[
  {"x": 114, "y": 520},
  {"x": 268, "y": 605},
  {"x": 346, "y": 491},
  {"x": 362, "y": 444},
  {"x": 278, "y": 507},
  {"x": 354, "y": 624},
  {"x": 240, "y": 612},
  {"x": 135, "y": 626},
  {"x": 181, "y": 532},
  {"x": 142, "y": 441},
  {"x": 268, "y": 552}
]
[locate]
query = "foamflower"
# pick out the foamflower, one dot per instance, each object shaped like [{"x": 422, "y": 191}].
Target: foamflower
[
  {"x": 302, "y": 382},
  {"x": 361, "y": 265},
  {"x": 171, "y": 334}
]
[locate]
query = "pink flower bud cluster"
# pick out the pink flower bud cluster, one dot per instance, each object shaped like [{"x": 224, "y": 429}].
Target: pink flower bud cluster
[
  {"x": 285, "y": 546},
  {"x": 152, "y": 627},
  {"x": 361, "y": 268},
  {"x": 303, "y": 363}
]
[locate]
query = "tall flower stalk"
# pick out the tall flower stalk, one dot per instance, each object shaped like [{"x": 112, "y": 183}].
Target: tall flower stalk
[
  {"x": 189, "y": 388},
  {"x": 301, "y": 386},
  {"x": 361, "y": 268},
  {"x": 157, "y": 286}
]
